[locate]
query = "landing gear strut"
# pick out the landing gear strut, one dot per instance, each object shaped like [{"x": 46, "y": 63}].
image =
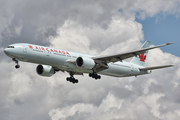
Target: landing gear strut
[
  {"x": 16, "y": 61},
  {"x": 72, "y": 79},
  {"x": 94, "y": 75}
]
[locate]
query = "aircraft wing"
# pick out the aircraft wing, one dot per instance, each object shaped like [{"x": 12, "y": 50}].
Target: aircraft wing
[
  {"x": 153, "y": 68},
  {"x": 120, "y": 57}
]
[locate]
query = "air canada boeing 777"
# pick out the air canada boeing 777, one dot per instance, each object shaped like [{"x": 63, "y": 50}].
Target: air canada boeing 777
[{"x": 52, "y": 60}]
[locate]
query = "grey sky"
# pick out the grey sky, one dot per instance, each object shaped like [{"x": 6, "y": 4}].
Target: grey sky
[{"x": 94, "y": 27}]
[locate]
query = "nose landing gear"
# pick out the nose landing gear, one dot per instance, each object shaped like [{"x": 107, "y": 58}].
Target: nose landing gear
[{"x": 16, "y": 61}]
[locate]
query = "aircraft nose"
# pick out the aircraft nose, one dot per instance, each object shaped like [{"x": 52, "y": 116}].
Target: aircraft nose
[{"x": 5, "y": 50}]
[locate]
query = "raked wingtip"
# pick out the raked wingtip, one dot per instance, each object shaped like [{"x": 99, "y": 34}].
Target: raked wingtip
[{"x": 169, "y": 43}]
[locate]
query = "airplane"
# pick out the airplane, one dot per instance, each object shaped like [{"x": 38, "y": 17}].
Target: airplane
[{"x": 52, "y": 60}]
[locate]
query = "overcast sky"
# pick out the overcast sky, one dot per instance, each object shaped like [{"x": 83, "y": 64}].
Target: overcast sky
[{"x": 98, "y": 27}]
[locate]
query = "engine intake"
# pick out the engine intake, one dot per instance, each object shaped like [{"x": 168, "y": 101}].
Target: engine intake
[
  {"x": 45, "y": 70},
  {"x": 86, "y": 63}
]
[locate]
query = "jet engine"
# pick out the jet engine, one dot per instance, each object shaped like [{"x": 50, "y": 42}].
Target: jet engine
[
  {"x": 86, "y": 63},
  {"x": 45, "y": 70}
]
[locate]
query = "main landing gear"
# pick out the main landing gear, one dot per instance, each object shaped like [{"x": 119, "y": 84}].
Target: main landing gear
[
  {"x": 16, "y": 61},
  {"x": 94, "y": 75},
  {"x": 72, "y": 79}
]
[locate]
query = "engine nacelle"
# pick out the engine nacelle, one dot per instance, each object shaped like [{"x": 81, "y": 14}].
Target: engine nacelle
[
  {"x": 86, "y": 63},
  {"x": 45, "y": 70}
]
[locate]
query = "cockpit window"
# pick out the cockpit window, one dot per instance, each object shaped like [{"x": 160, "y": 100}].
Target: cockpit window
[{"x": 10, "y": 47}]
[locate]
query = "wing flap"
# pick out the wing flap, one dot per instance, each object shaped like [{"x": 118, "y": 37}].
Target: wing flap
[{"x": 156, "y": 67}]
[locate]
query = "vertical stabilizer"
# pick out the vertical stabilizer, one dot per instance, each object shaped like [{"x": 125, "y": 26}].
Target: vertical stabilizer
[{"x": 141, "y": 59}]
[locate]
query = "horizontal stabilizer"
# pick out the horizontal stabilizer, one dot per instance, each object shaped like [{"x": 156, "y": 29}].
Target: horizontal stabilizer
[{"x": 156, "y": 67}]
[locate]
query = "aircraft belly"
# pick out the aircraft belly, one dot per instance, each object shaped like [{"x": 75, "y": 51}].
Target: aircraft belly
[{"x": 117, "y": 71}]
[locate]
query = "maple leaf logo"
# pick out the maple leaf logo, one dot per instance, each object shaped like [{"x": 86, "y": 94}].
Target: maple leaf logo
[
  {"x": 31, "y": 47},
  {"x": 142, "y": 57}
]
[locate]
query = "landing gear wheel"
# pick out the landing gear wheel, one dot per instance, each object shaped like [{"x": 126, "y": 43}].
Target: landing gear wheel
[
  {"x": 94, "y": 75},
  {"x": 68, "y": 79},
  {"x": 17, "y": 66},
  {"x": 72, "y": 79},
  {"x": 90, "y": 74},
  {"x": 76, "y": 81}
]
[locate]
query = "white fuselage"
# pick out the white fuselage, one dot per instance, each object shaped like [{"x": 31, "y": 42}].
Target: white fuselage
[{"x": 60, "y": 59}]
